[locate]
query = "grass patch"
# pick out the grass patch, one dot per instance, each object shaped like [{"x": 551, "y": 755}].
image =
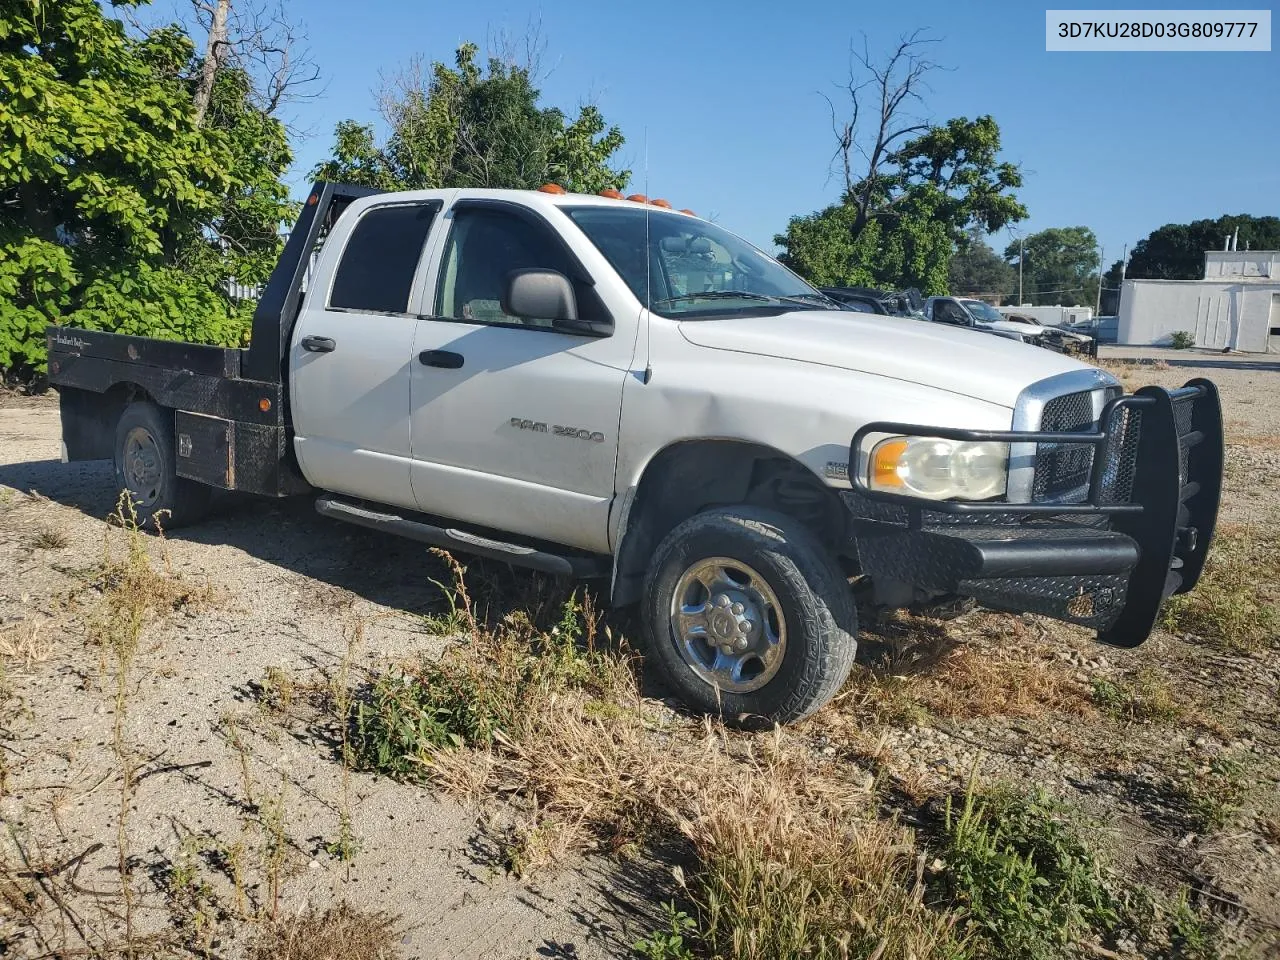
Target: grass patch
[
  {"x": 1028, "y": 886},
  {"x": 1236, "y": 601},
  {"x": 338, "y": 933},
  {"x": 1148, "y": 697},
  {"x": 1000, "y": 671},
  {"x": 1213, "y": 794},
  {"x": 48, "y": 538}
]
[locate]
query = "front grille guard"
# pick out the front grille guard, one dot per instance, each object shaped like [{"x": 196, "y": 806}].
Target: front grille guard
[{"x": 1172, "y": 442}]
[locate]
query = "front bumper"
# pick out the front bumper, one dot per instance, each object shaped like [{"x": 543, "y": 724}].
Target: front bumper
[{"x": 1107, "y": 560}]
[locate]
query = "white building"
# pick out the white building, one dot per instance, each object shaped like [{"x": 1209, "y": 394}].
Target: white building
[{"x": 1236, "y": 305}]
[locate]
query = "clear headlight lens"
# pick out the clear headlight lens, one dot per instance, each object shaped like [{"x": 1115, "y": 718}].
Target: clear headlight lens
[{"x": 939, "y": 469}]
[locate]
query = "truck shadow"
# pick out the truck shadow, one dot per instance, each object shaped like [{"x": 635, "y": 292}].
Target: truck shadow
[{"x": 382, "y": 569}]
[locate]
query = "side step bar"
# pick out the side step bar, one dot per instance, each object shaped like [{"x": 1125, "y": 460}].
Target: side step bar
[{"x": 449, "y": 538}]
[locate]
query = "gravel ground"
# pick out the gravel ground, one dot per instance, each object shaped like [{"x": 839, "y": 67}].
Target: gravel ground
[{"x": 290, "y": 592}]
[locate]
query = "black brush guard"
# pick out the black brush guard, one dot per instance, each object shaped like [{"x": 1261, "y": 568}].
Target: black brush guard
[{"x": 1108, "y": 559}]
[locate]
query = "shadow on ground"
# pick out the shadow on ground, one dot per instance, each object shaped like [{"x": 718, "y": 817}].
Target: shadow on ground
[{"x": 380, "y": 568}]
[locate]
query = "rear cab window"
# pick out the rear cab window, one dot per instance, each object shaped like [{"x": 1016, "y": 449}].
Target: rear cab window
[{"x": 375, "y": 274}]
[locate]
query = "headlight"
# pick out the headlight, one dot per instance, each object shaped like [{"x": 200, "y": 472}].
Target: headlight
[{"x": 939, "y": 469}]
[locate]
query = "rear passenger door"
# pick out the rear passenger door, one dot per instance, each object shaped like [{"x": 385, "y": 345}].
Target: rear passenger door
[{"x": 350, "y": 355}]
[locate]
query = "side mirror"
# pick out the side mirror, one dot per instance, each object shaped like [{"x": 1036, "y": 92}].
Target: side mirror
[{"x": 540, "y": 295}]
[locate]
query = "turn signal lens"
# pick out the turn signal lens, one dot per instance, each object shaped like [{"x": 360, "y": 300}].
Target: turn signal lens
[
  {"x": 884, "y": 464},
  {"x": 264, "y": 405},
  {"x": 938, "y": 469}
]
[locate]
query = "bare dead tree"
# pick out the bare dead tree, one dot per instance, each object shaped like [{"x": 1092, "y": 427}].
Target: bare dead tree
[
  {"x": 258, "y": 37},
  {"x": 877, "y": 116},
  {"x": 215, "y": 50}
]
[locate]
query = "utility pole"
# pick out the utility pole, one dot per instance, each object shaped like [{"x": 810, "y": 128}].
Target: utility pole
[
  {"x": 1097, "y": 306},
  {"x": 1020, "y": 300}
]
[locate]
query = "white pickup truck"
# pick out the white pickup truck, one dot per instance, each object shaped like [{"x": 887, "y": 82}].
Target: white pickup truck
[{"x": 598, "y": 387}]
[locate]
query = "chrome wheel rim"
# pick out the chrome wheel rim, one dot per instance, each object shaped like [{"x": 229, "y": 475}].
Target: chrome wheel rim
[
  {"x": 143, "y": 470},
  {"x": 727, "y": 625}
]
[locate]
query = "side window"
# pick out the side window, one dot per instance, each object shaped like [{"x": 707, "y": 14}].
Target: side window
[
  {"x": 484, "y": 247},
  {"x": 380, "y": 258}
]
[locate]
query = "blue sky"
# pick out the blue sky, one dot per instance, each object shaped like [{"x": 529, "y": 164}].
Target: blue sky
[{"x": 727, "y": 98}]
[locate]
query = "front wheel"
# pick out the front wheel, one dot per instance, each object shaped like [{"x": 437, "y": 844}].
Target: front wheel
[
  {"x": 146, "y": 466},
  {"x": 749, "y": 617}
]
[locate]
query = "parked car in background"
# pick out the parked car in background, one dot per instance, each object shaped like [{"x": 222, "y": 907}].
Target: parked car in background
[
  {"x": 858, "y": 299},
  {"x": 1061, "y": 338},
  {"x": 904, "y": 303},
  {"x": 964, "y": 312}
]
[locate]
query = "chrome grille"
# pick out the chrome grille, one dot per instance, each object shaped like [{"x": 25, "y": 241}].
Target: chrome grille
[{"x": 1062, "y": 470}]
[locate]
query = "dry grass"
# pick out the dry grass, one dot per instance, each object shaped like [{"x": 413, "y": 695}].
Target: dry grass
[
  {"x": 792, "y": 858},
  {"x": 48, "y": 538},
  {"x": 1236, "y": 601},
  {"x": 1131, "y": 373},
  {"x": 338, "y": 933},
  {"x": 998, "y": 670},
  {"x": 28, "y": 642}
]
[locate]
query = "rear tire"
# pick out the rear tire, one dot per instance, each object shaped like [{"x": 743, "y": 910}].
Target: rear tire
[
  {"x": 146, "y": 466},
  {"x": 749, "y": 617}
]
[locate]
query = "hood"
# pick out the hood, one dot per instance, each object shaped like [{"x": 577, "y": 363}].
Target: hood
[
  {"x": 968, "y": 362},
  {"x": 1008, "y": 326}
]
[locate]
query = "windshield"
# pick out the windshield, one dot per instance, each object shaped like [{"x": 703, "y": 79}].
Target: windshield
[
  {"x": 983, "y": 311},
  {"x": 695, "y": 269}
]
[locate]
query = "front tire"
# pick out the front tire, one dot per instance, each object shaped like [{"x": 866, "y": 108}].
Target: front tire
[
  {"x": 146, "y": 466},
  {"x": 749, "y": 617}
]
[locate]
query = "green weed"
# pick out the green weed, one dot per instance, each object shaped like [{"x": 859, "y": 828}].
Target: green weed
[
  {"x": 1148, "y": 697},
  {"x": 1028, "y": 886}
]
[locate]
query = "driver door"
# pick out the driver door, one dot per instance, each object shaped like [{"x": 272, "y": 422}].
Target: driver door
[{"x": 514, "y": 423}]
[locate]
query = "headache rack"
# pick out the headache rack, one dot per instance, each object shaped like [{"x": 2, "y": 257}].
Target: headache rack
[{"x": 1145, "y": 520}]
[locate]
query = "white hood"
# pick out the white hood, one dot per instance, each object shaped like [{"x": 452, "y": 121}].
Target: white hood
[{"x": 963, "y": 361}]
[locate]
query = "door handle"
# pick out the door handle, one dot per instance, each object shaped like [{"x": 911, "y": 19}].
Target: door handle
[
  {"x": 319, "y": 344},
  {"x": 440, "y": 358}
]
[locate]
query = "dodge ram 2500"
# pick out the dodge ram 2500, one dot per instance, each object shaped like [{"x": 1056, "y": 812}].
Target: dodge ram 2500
[{"x": 596, "y": 387}]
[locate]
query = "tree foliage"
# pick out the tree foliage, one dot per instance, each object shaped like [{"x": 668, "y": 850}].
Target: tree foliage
[
  {"x": 1059, "y": 265},
  {"x": 911, "y": 189},
  {"x": 468, "y": 126},
  {"x": 978, "y": 270},
  {"x": 1176, "y": 250},
  {"x": 120, "y": 210},
  {"x": 928, "y": 193}
]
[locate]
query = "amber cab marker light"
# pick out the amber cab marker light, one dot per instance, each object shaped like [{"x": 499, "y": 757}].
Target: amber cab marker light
[
  {"x": 313, "y": 200},
  {"x": 638, "y": 198},
  {"x": 264, "y": 405},
  {"x": 689, "y": 212},
  {"x": 612, "y": 194},
  {"x": 552, "y": 188},
  {"x": 665, "y": 204}
]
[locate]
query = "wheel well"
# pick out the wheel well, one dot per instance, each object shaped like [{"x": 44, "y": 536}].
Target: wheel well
[
  {"x": 89, "y": 419},
  {"x": 690, "y": 477}
]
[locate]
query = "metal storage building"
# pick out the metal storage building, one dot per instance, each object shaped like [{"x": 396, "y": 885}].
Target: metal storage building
[{"x": 1235, "y": 306}]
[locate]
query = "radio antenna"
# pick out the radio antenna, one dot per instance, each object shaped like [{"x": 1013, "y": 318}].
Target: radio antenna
[{"x": 648, "y": 271}]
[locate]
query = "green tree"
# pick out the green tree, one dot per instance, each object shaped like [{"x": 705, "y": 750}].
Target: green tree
[
  {"x": 121, "y": 209},
  {"x": 468, "y": 126},
  {"x": 1059, "y": 265},
  {"x": 977, "y": 269},
  {"x": 1176, "y": 250},
  {"x": 904, "y": 231},
  {"x": 911, "y": 189}
]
